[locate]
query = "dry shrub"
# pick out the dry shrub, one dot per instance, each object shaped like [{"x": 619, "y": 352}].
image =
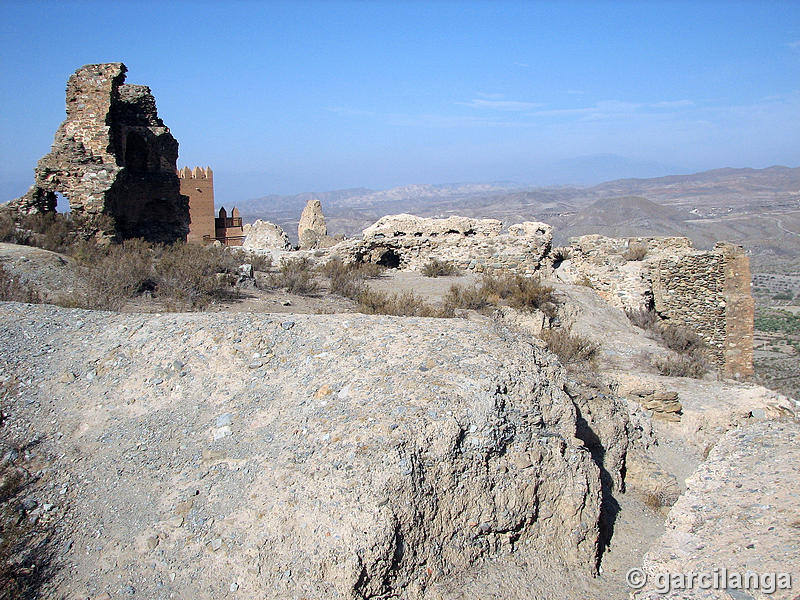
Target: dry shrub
[
  {"x": 115, "y": 274},
  {"x": 348, "y": 279},
  {"x": 653, "y": 500},
  {"x": 296, "y": 275},
  {"x": 406, "y": 304},
  {"x": 192, "y": 276},
  {"x": 522, "y": 293},
  {"x": 570, "y": 348},
  {"x": 8, "y": 229},
  {"x": 681, "y": 366},
  {"x": 473, "y": 297},
  {"x": 438, "y": 268},
  {"x": 635, "y": 251},
  {"x": 260, "y": 262},
  {"x": 680, "y": 339},
  {"x": 644, "y": 318}
]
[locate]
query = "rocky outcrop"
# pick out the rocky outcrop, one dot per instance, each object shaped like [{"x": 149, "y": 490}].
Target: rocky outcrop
[
  {"x": 738, "y": 515},
  {"x": 114, "y": 160},
  {"x": 298, "y": 456},
  {"x": 479, "y": 245},
  {"x": 263, "y": 235},
  {"x": 311, "y": 230}
]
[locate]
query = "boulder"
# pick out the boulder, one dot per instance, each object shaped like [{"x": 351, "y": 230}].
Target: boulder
[{"x": 263, "y": 235}]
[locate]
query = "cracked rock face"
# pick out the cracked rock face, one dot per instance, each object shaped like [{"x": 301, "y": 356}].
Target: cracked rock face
[
  {"x": 114, "y": 160},
  {"x": 301, "y": 456}
]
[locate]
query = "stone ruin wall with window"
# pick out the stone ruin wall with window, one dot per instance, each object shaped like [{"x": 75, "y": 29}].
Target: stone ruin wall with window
[
  {"x": 707, "y": 291},
  {"x": 114, "y": 160}
]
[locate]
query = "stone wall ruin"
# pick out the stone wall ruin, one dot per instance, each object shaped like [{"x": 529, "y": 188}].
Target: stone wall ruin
[
  {"x": 114, "y": 160},
  {"x": 477, "y": 245},
  {"x": 707, "y": 291}
]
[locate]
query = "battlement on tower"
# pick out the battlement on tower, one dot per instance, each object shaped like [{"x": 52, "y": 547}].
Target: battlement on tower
[{"x": 196, "y": 173}]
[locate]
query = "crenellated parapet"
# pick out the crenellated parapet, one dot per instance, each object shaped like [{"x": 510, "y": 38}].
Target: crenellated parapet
[{"x": 196, "y": 173}]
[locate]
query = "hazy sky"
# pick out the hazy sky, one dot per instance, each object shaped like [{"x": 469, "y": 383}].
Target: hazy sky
[{"x": 300, "y": 96}]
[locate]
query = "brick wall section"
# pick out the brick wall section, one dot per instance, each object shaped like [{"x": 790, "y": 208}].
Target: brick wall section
[{"x": 198, "y": 185}]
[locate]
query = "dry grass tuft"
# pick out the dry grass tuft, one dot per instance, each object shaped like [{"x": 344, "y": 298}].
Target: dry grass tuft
[
  {"x": 12, "y": 289},
  {"x": 570, "y": 348},
  {"x": 438, "y": 268},
  {"x": 297, "y": 276},
  {"x": 406, "y": 304}
]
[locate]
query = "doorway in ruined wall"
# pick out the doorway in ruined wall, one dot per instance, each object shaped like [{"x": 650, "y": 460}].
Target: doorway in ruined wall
[{"x": 136, "y": 152}]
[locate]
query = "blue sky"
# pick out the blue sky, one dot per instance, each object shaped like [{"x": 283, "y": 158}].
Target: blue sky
[{"x": 300, "y": 96}]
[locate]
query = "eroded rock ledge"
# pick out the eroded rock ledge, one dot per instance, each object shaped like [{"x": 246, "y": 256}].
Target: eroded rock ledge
[{"x": 314, "y": 456}]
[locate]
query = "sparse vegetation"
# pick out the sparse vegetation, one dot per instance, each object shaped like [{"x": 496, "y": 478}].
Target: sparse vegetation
[
  {"x": 570, "y": 348},
  {"x": 406, "y": 304},
  {"x": 471, "y": 297},
  {"x": 778, "y": 321},
  {"x": 516, "y": 291},
  {"x": 681, "y": 366},
  {"x": 297, "y": 276},
  {"x": 11, "y": 288},
  {"x": 260, "y": 262},
  {"x": 644, "y": 318},
  {"x": 691, "y": 360},
  {"x": 439, "y": 268},
  {"x": 635, "y": 251}
]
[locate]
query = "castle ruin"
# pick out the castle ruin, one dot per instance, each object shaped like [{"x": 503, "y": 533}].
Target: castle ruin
[{"x": 114, "y": 160}]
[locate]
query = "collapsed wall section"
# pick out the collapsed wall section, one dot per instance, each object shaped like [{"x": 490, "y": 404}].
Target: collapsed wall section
[
  {"x": 114, "y": 160},
  {"x": 478, "y": 245},
  {"x": 707, "y": 291}
]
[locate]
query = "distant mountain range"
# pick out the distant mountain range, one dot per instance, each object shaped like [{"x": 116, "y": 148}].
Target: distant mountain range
[{"x": 759, "y": 208}]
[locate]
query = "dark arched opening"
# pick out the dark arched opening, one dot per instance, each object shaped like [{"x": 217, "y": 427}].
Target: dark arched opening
[
  {"x": 390, "y": 259},
  {"x": 135, "y": 152}
]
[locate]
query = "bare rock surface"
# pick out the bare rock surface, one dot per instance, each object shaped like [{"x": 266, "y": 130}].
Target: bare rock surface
[
  {"x": 294, "y": 456},
  {"x": 738, "y": 513},
  {"x": 263, "y": 235},
  {"x": 311, "y": 229}
]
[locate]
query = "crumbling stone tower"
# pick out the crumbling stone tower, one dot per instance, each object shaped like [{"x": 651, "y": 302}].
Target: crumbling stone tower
[{"x": 114, "y": 160}]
